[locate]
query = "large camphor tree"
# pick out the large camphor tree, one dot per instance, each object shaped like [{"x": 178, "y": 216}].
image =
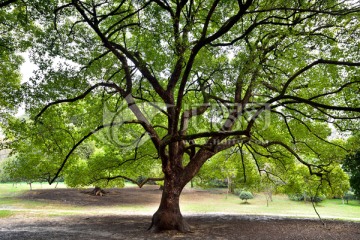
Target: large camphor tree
[{"x": 194, "y": 78}]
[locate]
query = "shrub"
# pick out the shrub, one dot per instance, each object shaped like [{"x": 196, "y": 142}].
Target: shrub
[
  {"x": 317, "y": 199},
  {"x": 296, "y": 197},
  {"x": 213, "y": 183},
  {"x": 245, "y": 195},
  {"x": 349, "y": 196},
  {"x": 217, "y": 183},
  {"x": 303, "y": 197}
]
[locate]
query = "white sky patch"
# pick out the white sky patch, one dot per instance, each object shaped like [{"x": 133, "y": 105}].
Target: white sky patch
[
  {"x": 27, "y": 68},
  {"x": 231, "y": 56},
  {"x": 27, "y": 71},
  {"x": 336, "y": 134},
  {"x": 21, "y": 111}
]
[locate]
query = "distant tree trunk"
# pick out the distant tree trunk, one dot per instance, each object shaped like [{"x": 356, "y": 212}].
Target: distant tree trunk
[
  {"x": 168, "y": 216},
  {"x": 268, "y": 196},
  {"x": 268, "y": 193},
  {"x": 30, "y": 184},
  {"x": 97, "y": 191},
  {"x": 228, "y": 185}
]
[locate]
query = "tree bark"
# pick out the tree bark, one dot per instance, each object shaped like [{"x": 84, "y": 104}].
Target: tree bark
[
  {"x": 176, "y": 176},
  {"x": 168, "y": 216}
]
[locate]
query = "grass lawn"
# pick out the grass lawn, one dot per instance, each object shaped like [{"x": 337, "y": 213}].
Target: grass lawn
[
  {"x": 280, "y": 206},
  {"x": 5, "y": 213},
  {"x": 10, "y": 191},
  {"x": 193, "y": 201}
]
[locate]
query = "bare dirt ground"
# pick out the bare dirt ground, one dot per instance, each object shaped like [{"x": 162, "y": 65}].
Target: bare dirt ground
[{"x": 115, "y": 226}]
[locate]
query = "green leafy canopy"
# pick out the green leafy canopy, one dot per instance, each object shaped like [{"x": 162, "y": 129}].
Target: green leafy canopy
[{"x": 193, "y": 78}]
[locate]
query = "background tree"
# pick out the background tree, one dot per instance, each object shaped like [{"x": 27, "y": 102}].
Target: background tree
[
  {"x": 303, "y": 186},
  {"x": 15, "y": 23},
  {"x": 33, "y": 158},
  {"x": 219, "y": 171},
  {"x": 209, "y": 72},
  {"x": 352, "y": 166},
  {"x": 9, "y": 61}
]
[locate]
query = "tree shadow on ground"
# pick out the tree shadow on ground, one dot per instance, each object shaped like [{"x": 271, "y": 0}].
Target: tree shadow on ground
[{"x": 204, "y": 227}]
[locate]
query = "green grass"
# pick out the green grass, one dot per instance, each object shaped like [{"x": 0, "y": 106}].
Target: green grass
[
  {"x": 6, "y": 213},
  {"x": 9, "y": 193},
  {"x": 193, "y": 201},
  {"x": 280, "y": 206},
  {"x": 14, "y": 188}
]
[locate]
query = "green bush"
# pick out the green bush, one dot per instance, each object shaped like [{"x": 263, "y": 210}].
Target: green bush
[
  {"x": 296, "y": 197},
  {"x": 317, "y": 199},
  {"x": 213, "y": 183},
  {"x": 303, "y": 197},
  {"x": 349, "y": 196},
  {"x": 245, "y": 195}
]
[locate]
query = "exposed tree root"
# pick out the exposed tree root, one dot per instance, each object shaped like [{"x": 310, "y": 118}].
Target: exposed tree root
[
  {"x": 163, "y": 221},
  {"x": 97, "y": 191}
]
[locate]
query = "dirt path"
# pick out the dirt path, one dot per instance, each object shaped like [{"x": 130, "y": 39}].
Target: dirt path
[{"x": 204, "y": 226}]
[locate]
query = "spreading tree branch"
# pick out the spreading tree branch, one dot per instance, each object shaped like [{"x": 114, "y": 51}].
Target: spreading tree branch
[
  {"x": 73, "y": 149},
  {"x": 81, "y": 96},
  {"x": 290, "y": 150},
  {"x": 139, "y": 184},
  {"x": 311, "y": 65}
]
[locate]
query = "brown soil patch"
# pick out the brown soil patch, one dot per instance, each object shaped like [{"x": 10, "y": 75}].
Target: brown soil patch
[
  {"x": 80, "y": 197},
  {"x": 205, "y": 227}
]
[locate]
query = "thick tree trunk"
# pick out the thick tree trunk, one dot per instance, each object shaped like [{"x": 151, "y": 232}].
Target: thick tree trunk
[{"x": 168, "y": 216}]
